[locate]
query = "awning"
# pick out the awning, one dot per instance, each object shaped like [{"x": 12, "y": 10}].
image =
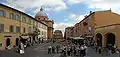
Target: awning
[
  {"x": 89, "y": 36},
  {"x": 78, "y": 38},
  {"x": 71, "y": 37},
  {"x": 25, "y": 37}
]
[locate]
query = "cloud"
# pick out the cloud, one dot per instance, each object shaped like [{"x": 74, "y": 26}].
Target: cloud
[
  {"x": 105, "y": 5},
  {"x": 55, "y": 5},
  {"x": 74, "y": 18},
  {"x": 79, "y": 18},
  {"x": 71, "y": 2},
  {"x": 62, "y": 26}
]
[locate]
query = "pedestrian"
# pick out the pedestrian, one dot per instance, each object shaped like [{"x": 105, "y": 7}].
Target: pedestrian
[
  {"x": 57, "y": 48},
  {"x": 22, "y": 48},
  {"x": 64, "y": 50},
  {"x": 99, "y": 49},
  {"x": 68, "y": 51},
  {"x": 82, "y": 51},
  {"x": 96, "y": 47},
  {"x": 53, "y": 49},
  {"x": 85, "y": 50},
  {"x": 49, "y": 49},
  {"x": 74, "y": 50}
]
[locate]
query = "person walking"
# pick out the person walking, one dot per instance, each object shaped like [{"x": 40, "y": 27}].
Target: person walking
[
  {"x": 49, "y": 49},
  {"x": 68, "y": 50},
  {"x": 99, "y": 49},
  {"x": 82, "y": 51},
  {"x": 22, "y": 48},
  {"x": 57, "y": 48},
  {"x": 85, "y": 50},
  {"x": 74, "y": 50},
  {"x": 53, "y": 49}
]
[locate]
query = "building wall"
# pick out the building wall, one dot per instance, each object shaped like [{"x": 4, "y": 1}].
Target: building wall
[
  {"x": 109, "y": 29},
  {"x": 102, "y": 22},
  {"x": 58, "y": 34},
  {"x": 30, "y": 23},
  {"x": 43, "y": 31},
  {"x": 68, "y": 32},
  {"x": 103, "y": 18},
  {"x": 49, "y": 23}
]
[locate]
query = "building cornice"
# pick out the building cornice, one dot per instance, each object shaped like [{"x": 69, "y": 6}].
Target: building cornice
[
  {"x": 106, "y": 26},
  {"x": 21, "y": 12}
]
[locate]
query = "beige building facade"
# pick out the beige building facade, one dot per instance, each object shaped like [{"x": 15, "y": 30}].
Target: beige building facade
[{"x": 42, "y": 17}]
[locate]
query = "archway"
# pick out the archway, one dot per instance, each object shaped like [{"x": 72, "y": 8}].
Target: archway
[
  {"x": 110, "y": 39},
  {"x": 7, "y": 42},
  {"x": 99, "y": 39},
  {"x": 17, "y": 41}
]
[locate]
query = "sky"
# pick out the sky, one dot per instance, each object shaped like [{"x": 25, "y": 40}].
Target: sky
[{"x": 65, "y": 13}]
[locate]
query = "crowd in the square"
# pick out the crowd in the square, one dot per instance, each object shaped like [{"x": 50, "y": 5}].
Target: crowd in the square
[{"x": 81, "y": 48}]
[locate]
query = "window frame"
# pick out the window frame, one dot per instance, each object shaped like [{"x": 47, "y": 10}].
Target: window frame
[
  {"x": 17, "y": 17},
  {"x": 17, "y": 29},
  {"x": 11, "y": 28},
  {"x": 12, "y": 16},
  {"x": 2, "y": 13},
  {"x": 1, "y": 28}
]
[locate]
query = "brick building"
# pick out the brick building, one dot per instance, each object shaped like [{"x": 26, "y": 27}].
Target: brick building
[
  {"x": 58, "y": 34},
  {"x": 68, "y": 32},
  {"x": 103, "y": 26}
]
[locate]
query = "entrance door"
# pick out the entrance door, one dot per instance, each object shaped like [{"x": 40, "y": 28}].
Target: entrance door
[
  {"x": 99, "y": 39},
  {"x": 110, "y": 39},
  {"x": 7, "y": 42},
  {"x": 17, "y": 40}
]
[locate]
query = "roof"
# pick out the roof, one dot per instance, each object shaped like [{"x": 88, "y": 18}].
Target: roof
[
  {"x": 21, "y": 12},
  {"x": 41, "y": 13},
  {"x": 93, "y": 13}
]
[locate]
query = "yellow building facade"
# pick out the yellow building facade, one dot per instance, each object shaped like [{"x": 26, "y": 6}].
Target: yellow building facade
[
  {"x": 13, "y": 24},
  {"x": 107, "y": 28}
]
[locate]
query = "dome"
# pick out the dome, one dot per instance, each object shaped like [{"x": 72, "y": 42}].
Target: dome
[{"x": 41, "y": 13}]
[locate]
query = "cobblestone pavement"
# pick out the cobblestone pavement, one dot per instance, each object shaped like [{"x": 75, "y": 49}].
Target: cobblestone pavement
[{"x": 38, "y": 51}]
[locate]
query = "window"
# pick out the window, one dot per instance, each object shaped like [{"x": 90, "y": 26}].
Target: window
[
  {"x": 29, "y": 29},
  {"x": 30, "y": 21},
  {"x": 17, "y": 17},
  {"x": 1, "y": 28},
  {"x": 17, "y": 29},
  {"x": 2, "y": 13},
  {"x": 11, "y": 29},
  {"x": 85, "y": 23},
  {"x": 23, "y": 30},
  {"x": 11, "y": 16},
  {"x": 24, "y": 19}
]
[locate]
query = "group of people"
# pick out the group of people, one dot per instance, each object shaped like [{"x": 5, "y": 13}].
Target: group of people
[
  {"x": 108, "y": 50},
  {"x": 74, "y": 50},
  {"x": 53, "y": 49}
]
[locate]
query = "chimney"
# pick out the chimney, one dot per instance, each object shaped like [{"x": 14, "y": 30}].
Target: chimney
[{"x": 90, "y": 12}]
